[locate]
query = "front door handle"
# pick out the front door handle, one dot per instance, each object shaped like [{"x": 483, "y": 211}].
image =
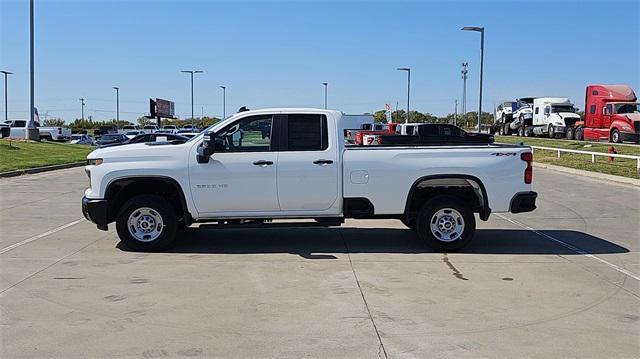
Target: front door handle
[
  {"x": 263, "y": 163},
  {"x": 322, "y": 162}
]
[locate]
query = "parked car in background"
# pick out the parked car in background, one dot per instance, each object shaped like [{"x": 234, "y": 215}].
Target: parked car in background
[
  {"x": 112, "y": 139},
  {"x": 5, "y": 130},
  {"x": 192, "y": 128},
  {"x": 103, "y": 130},
  {"x": 127, "y": 128},
  {"x": 150, "y": 128},
  {"x": 158, "y": 137},
  {"x": 18, "y": 129},
  {"x": 132, "y": 134},
  {"x": 82, "y": 139},
  {"x": 169, "y": 129}
]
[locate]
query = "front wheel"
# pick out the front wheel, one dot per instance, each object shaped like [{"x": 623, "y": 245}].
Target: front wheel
[
  {"x": 615, "y": 136},
  {"x": 147, "y": 223},
  {"x": 569, "y": 135},
  {"x": 552, "y": 131},
  {"x": 446, "y": 224}
]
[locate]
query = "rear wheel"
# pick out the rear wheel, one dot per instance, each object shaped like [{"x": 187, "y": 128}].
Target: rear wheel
[
  {"x": 521, "y": 131},
  {"x": 506, "y": 130},
  {"x": 446, "y": 223},
  {"x": 147, "y": 223},
  {"x": 579, "y": 134},
  {"x": 615, "y": 136}
]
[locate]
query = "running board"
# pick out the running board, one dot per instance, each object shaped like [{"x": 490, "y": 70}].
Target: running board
[{"x": 254, "y": 224}]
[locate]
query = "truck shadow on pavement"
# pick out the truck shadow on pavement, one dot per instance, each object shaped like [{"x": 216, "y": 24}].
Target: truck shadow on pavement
[{"x": 320, "y": 243}]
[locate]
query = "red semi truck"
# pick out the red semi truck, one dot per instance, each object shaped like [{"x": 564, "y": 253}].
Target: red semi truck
[{"x": 611, "y": 114}]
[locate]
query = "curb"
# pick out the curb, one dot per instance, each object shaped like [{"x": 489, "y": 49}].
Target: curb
[
  {"x": 40, "y": 169},
  {"x": 594, "y": 175}
]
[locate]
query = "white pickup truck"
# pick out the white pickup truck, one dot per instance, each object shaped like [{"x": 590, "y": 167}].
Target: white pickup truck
[
  {"x": 18, "y": 128},
  {"x": 263, "y": 165}
]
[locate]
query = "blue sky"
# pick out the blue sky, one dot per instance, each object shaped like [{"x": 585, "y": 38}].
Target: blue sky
[{"x": 278, "y": 53}]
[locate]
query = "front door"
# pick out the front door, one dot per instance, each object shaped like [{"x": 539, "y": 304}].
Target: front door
[
  {"x": 240, "y": 177},
  {"x": 308, "y": 165}
]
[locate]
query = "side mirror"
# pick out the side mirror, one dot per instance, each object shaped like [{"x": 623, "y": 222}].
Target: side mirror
[{"x": 205, "y": 150}]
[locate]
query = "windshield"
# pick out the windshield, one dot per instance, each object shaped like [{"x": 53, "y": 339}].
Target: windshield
[
  {"x": 627, "y": 107},
  {"x": 562, "y": 108}
]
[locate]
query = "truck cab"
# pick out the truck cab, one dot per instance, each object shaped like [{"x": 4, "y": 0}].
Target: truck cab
[
  {"x": 552, "y": 116},
  {"x": 612, "y": 114}
]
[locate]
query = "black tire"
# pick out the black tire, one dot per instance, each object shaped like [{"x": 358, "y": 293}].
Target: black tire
[
  {"x": 411, "y": 223},
  {"x": 579, "y": 134},
  {"x": 159, "y": 206},
  {"x": 570, "y": 133},
  {"x": 427, "y": 214},
  {"x": 527, "y": 131},
  {"x": 521, "y": 131},
  {"x": 615, "y": 136},
  {"x": 551, "y": 132},
  {"x": 507, "y": 130}
]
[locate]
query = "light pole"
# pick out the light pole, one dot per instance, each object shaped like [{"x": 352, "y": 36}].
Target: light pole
[
  {"x": 117, "y": 103},
  {"x": 455, "y": 114},
  {"x": 6, "y": 103},
  {"x": 224, "y": 101},
  {"x": 192, "y": 72},
  {"x": 325, "y": 84},
  {"x": 408, "y": 70},
  {"x": 32, "y": 132},
  {"x": 481, "y": 31},
  {"x": 82, "y": 102},
  {"x": 464, "y": 72}
]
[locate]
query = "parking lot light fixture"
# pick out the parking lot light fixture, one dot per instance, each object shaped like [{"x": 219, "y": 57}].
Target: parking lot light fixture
[
  {"x": 408, "y": 70},
  {"x": 325, "y": 84},
  {"x": 192, "y": 72},
  {"x": 117, "y": 103},
  {"x": 481, "y": 31},
  {"x": 224, "y": 101},
  {"x": 6, "y": 112}
]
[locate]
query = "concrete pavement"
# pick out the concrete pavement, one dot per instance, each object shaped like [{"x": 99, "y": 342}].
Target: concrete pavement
[{"x": 563, "y": 281}]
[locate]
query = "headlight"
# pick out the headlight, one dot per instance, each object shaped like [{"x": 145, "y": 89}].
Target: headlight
[
  {"x": 626, "y": 128},
  {"x": 94, "y": 161}
]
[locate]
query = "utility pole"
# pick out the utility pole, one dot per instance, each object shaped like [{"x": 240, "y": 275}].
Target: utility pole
[
  {"x": 455, "y": 114},
  {"x": 325, "y": 94},
  {"x": 117, "y": 103},
  {"x": 464, "y": 72},
  {"x": 32, "y": 132},
  {"x": 82, "y": 102},
  {"x": 224, "y": 101},
  {"x": 192, "y": 72},
  {"x": 6, "y": 103},
  {"x": 408, "y": 70},
  {"x": 481, "y": 31}
]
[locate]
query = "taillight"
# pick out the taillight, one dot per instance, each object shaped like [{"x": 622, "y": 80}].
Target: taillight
[{"x": 528, "y": 172}]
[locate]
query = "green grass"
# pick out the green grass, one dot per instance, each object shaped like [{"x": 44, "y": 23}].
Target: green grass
[
  {"x": 21, "y": 154},
  {"x": 618, "y": 167}
]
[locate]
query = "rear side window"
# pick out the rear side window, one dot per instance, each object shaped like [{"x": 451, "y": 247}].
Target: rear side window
[
  {"x": 306, "y": 132},
  {"x": 592, "y": 109}
]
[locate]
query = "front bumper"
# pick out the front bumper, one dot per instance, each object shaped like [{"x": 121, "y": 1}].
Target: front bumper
[
  {"x": 95, "y": 210},
  {"x": 523, "y": 202},
  {"x": 630, "y": 137}
]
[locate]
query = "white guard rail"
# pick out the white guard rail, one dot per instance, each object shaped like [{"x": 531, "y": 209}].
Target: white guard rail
[{"x": 593, "y": 154}]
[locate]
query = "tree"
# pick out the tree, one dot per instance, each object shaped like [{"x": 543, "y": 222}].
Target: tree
[
  {"x": 53, "y": 122},
  {"x": 380, "y": 116}
]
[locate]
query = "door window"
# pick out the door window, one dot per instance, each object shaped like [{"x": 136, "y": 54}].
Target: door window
[
  {"x": 252, "y": 134},
  {"x": 306, "y": 133},
  {"x": 608, "y": 110}
]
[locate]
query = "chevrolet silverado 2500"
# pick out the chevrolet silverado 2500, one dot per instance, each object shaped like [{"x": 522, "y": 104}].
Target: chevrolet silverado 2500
[{"x": 263, "y": 165}]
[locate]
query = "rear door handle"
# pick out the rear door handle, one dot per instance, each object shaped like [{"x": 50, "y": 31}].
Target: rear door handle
[
  {"x": 322, "y": 162},
  {"x": 263, "y": 163}
]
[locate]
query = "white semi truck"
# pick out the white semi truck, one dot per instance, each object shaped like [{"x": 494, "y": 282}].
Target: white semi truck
[{"x": 552, "y": 116}]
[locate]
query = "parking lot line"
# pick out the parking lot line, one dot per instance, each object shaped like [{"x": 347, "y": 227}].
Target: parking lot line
[
  {"x": 38, "y": 236},
  {"x": 573, "y": 248}
]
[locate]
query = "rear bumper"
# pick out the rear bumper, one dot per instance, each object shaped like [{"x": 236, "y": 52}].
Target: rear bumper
[
  {"x": 630, "y": 137},
  {"x": 523, "y": 202},
  {"x": 95, "y": 210}
]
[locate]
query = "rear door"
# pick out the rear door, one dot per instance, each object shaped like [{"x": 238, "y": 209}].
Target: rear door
[{"x": 307, "y": 173}]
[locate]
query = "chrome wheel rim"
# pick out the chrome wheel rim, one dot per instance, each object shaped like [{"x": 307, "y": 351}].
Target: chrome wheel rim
[
  {"x": 447, "y": 225},
  {"x": 145, "y": 224},
  {"x": 615, "y": 136}
]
